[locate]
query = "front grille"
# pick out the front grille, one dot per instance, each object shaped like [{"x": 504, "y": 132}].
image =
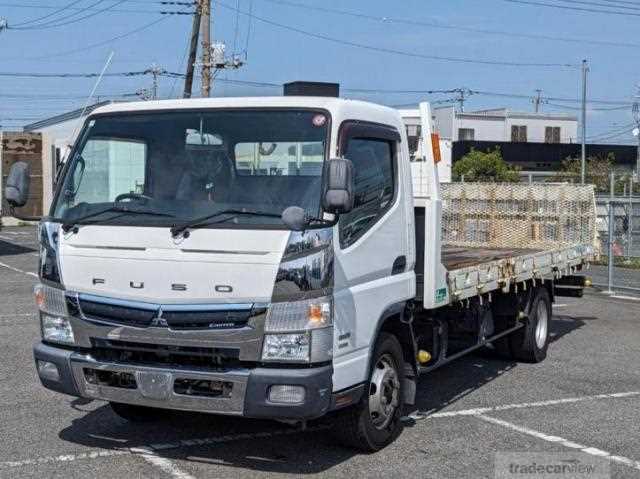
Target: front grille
[
  {"x": 206, "y": 319},
  {"x": 106, "y": 350},
  {"x": 175, "y": 317},
  {"x": 117, "y": 314}
]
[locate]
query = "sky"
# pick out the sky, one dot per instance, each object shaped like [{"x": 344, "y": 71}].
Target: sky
[{"x": 412, "y": 46}]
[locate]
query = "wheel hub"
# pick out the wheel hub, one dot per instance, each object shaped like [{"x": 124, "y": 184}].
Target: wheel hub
[
  {"x": 542, "y": 325},
  {"x": 384, "y": 392}
]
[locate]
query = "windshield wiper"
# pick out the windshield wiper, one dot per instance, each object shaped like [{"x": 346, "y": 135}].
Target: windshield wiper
[
  {"x": 116, "y": 208},
  {"x": 204, "y": 220}
]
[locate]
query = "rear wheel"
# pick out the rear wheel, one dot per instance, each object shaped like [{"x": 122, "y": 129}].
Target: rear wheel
[
  {"x": 530, "y": 342},
  {"x": 134, "y": 413},
  {"x": 375, "y": 421}
]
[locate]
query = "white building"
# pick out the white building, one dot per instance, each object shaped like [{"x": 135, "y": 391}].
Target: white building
[
  {"x": 496, "y": 125},
  {"x": 503, "y": 124}
]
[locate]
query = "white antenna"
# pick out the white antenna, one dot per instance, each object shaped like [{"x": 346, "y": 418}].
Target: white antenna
[{"x": 93, "y": 91}]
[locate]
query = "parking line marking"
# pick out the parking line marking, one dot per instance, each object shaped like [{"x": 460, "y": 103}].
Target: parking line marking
[
  {"x": 593, "y": 451},
  {"x": 619, "y": 296},
  {"x": 28, "y": 273},
  {"x": 525, "y": 405},
  {"x": 64, "y": 458},
  {"x": 162, "y": 463},
  {"x": 145, "y": 449}
]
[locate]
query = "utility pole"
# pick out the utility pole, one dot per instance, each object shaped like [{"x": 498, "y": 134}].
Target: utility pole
[
  {"x": 537, "y": 101},
  {"x": 193, "y": 51},
  {"x": 213, "y": 54},
  {"x": 461, "y": 98},
  {"x": 155, "y": 71},
  {"x": 583, "y": 150},
  {"x": 151, "y": 93},
  {"x": 205, "y": 9},
  {"x": 636, "y": 131}
]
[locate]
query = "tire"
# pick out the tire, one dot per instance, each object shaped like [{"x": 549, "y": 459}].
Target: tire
[
  {"x": 133, "y": 413},
  {"x": 530, "y": 343},
  {"x": 375, "y": 421}
]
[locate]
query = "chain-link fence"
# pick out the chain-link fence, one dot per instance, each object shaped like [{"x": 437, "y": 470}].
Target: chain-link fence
[
  {"x": 618, "y": 224},
  {"x": 617, "y": 240}
]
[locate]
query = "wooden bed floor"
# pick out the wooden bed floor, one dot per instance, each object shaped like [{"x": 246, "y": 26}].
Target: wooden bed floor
[{"x": 458, "y": 258}]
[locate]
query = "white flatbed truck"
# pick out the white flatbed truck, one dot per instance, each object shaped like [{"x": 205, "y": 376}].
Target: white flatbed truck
[{"x": 267, "y": 258}]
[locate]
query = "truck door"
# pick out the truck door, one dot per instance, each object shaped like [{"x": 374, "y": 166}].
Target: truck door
[{"x": 371, "y": 245}]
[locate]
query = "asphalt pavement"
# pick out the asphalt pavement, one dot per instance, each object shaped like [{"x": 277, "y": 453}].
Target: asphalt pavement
[{"x": 584, "y": 397}]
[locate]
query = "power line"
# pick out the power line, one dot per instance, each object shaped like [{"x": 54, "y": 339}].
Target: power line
[
  {"x": 623, "y": 103},
  {"x": 567, "y": 107},
  {"x": 394, "y": 51},
  {"x": 53, "y": 97},
  {"x": 235, "y": 33},
  {"x": 250, "y": 19},
  {"x": 606, "y": 5},
  {"x": 53, "y": 24},
  {"x": 556, "y": 99},
  {"x": 88, "y": 9},
  {"x": 101, "y": 43},
  {"x": 71, "y": 75},
  {"x": 615, "y": 131},
  {"x": 50, "y": 14},
  {"x": 449, "y": 26},
  {"x": 627, "y": 131},
  {"x": 577, "y": 9}
]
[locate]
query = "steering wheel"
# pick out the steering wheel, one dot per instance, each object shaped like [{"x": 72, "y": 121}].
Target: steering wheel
[{"x": 132, "y": 196}]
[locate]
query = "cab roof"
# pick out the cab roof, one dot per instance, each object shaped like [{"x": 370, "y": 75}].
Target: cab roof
[{"x": 340, "y": 108}]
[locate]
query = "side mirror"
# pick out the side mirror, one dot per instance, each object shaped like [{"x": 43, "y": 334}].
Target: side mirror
[
  {"x": 337, "y": 196},
  {"x": 16, "y": 190},
  {"x": 295, "y": 218}
]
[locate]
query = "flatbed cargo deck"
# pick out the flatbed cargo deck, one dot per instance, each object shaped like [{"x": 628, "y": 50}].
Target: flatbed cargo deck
[
  {"x": 480, "y": 270},
  {"x": 498, "y": 235}
]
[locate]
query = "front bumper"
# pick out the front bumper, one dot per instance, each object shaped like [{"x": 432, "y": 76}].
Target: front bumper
[{"x": 247, "y": 390}]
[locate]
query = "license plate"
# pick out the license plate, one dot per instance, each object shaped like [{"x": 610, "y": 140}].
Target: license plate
[{"x": 154, "y": 385}]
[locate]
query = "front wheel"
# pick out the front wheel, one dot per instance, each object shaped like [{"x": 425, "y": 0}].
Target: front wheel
[{"x": 375, "y": 421}]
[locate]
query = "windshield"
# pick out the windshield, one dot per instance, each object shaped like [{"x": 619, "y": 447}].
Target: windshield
[{"x": 188, "y": 165}]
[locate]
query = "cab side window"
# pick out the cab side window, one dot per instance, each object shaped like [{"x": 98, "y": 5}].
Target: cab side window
[{"x": 373, "y": 164}]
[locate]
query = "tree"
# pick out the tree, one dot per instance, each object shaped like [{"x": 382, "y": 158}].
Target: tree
[
  {"x": 598, "y": 169},
  {"x": 485, "y": 167}
]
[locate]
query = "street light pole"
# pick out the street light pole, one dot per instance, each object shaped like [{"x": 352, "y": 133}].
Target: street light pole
[{"x": 583, "y": 150}]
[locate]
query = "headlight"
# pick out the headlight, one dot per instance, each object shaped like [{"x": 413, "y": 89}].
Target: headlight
[
  {"x": 54, "y": 320},
  {"x": 56, "y": 329},
  {"x": 287, "y": 347},
  {"x": 299, "y": 331}
]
